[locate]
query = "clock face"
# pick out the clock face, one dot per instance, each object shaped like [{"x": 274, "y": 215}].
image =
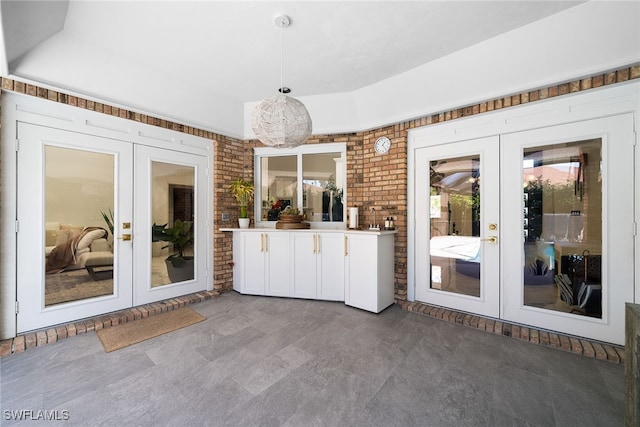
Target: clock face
[{"x": 383, "y": 144}]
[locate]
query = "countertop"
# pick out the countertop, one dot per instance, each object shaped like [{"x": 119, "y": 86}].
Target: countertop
[{"x": 311, "y": 230}]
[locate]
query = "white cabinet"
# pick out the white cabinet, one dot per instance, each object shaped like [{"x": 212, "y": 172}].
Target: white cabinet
[
  {"x": 262, "y": 263},
  {"x": 369, "y": 272},
  {"x": 355, "y": 267},
  {"x": 305, "y": 265},
  {"x": 318, "y": 265}
]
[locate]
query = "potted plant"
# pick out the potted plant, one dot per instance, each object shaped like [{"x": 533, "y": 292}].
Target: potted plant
[
  {"x": 180, "y": 236},
  {"x": 243, "y": 191}
]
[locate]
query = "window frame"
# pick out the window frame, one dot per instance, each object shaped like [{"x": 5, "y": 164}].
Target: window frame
[{"x": 262, "y": 152}]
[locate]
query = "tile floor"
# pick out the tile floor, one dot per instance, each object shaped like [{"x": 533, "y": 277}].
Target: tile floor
[{"x": 271, "y": 361}]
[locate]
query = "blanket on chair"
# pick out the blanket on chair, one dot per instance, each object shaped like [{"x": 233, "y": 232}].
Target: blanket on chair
[{"x": 64, "y": 255}]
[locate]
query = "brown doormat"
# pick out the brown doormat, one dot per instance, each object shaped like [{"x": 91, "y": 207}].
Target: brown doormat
[{"x": 129, "y": 333}]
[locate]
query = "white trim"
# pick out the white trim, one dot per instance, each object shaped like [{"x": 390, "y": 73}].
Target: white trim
[
  {"x": 597, "y": 103},
  {"x": 260, "y": 152},
  {"x": 24, "y": 108}
]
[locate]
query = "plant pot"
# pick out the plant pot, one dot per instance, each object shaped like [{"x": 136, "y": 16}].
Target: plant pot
[
  {"x": 244, "y": 222},
  {"x": 182, "y": 273}
]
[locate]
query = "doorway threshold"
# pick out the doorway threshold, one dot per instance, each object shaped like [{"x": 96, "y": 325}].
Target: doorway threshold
[
  {"x": 56, "y": 333},
  {"x": 578, "y": 345}
]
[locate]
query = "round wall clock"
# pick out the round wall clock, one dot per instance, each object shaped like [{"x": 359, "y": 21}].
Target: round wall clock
[{"x": 383, "y": 144}]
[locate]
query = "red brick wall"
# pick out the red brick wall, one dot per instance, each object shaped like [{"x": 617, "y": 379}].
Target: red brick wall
[{"x": 373, "y": 180}]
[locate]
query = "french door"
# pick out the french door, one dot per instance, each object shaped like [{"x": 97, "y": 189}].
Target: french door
[
  {"x": 170, "y": 190},
  {"x": 534, "y": 227},
  {"x": 86, "y": 208},
  {"x": 458, "y": 256}
]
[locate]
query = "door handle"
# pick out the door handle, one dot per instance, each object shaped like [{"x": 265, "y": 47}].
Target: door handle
[
  {"x": 491, "y": 239},
  {"x": 345, "y": 246},
  {"x": 314, "y": 243},
  {"x": 124, "y": 237},
  {"x": 266, "y": 242},
  {"x": 317, "y": 243}
]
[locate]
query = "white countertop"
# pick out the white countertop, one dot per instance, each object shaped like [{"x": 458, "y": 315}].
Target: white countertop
[{"x": 311, "y": 230}]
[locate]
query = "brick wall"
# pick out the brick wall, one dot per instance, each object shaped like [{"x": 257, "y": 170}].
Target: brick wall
[{"x": 373, "y": 180}]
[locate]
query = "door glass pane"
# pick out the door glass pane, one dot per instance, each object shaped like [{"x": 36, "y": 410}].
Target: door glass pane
[
  {"x": 323, "y": 194},
  {"x": 562, "y": 227},
  {"x": 79, "y": 203},
  {"x": 172, "y": 214},
  {"x": 278, "y": 185},
  {"x": 455, "y": 225}
]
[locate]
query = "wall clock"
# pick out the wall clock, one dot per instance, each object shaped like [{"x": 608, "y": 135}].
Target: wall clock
[{"x": 383, "y": 144}]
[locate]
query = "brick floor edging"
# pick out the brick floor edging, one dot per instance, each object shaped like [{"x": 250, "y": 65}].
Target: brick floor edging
[
  {"x": 56, "y": 333},
  {"x": 578, "y": 345}
]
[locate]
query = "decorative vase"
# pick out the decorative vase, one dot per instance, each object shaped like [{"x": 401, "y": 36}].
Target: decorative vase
[{"x": 244, "y": 222}]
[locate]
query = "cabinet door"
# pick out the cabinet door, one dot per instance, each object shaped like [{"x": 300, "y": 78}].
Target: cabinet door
[
  {"x": 330, "y": 266},
  {"x": 304, "y": 247},
  {"x": 278, "y": 263},
  {"x": 361, "y": 271},
  {"x": 252, "y": 262}
]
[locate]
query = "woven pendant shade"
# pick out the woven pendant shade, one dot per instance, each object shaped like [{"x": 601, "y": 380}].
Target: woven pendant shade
[{"x": 281, "y": 121}]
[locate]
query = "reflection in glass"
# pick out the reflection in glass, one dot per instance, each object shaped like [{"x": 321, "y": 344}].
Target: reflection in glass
[
  {"x": 455, "y": 225},
  {"x": 79, "y": 200},
  {"x": 323, "y": 194},
  {"x": 562, "y": 227},
  {"x": 172, "y": 214},
  {"x": 279, "y": 185}
]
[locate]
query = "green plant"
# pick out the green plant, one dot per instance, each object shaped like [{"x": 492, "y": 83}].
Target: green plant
[
  {"x": 243, "y": 191},
  {"x": 290, "y": 211},
  {"x": 180, "y": 236},
  {"x": 108, "y": 219}
]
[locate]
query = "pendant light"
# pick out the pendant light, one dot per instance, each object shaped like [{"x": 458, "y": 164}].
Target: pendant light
[{"x": 281, "y": 121}]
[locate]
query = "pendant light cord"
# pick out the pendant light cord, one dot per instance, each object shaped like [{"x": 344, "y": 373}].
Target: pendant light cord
[{"x": 281, "y": 55}]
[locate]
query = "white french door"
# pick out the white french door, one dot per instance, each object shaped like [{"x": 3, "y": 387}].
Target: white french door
[
  {"x": 169, "y": 187},
  {"x": 458, "y": 241},
  {"x": 568, "y": 194},
  {"x": 534, "y": 227},
  {"x": 86, "y": 207},
  {"x": 66, "y": 181}
]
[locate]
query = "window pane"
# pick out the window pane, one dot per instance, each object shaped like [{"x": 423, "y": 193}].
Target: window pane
[
  {"x": 322, "y": 181},
  {"x": 278, "y": 184},
  {"x": 455, "y": 225},
  {"x": 79, "y": 190},
  {"x": 562, "y": 227},
  {"x": 172, "y": 212}
]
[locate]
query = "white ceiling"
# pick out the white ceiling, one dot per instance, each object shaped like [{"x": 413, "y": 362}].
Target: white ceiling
[{"x": 119, "y": 51}]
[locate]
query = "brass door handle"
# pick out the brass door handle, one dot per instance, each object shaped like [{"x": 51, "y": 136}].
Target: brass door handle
[
  {"x": 317, "y": 243},
  {"x": 124, "y": 237},
  {"x": 345, "y": 246},
  {"x": 314, "y": 243},
  {"x": 491, "y": 239}
]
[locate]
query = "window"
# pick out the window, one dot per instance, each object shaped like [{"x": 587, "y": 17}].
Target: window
[{"x": 309, "y": 178}]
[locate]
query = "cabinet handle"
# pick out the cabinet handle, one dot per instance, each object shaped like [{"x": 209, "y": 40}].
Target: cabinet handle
[
  {"x": 314, "y": 243},
  {"x": 345, "y": 246},
  {"x": 266, "y": 242},
  {"x": 261, "y": 242},
  {"x": 318, "y": 243}
]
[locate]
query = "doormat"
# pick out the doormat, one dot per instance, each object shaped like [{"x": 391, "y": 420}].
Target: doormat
[{"x": 126, "y": 334}]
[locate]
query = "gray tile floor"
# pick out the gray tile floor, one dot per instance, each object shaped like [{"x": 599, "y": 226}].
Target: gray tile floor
[{"x": 271, "y": 361}]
